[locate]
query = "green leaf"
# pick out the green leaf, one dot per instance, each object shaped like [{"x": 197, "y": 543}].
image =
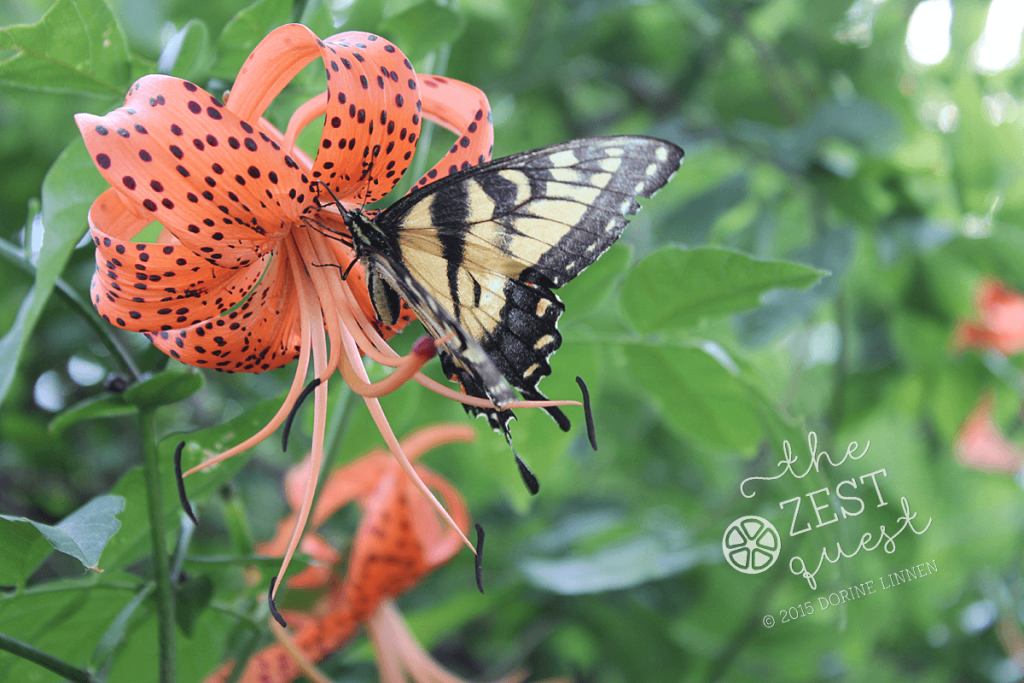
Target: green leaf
[
  {"x": 191, "y": 598},
  {"x": 66, "y": 620},
  {"x": 170, "y": 386},
  {"x": 92, "y": 408},
  {"x": 675, "y": 287},
  {"x": 77, "y": 47},
  {"x": 423, "y": 28},
  {"x": 245, "y": 31},
  {"x": 133, "y": 543},
  {"x": 70, "y": 186},
  {"x": 590, "y": 289},
  {"x": 697, "y": 395},
  {"x": 832, "y": 251},
  {"x": 117, "y": 630},
  {"x": 187, "y": 54},
  {"x": 86, "y": 532},
  {"x": 624, "y": 564},
  {"x": 24, "y": 549},
  {"x": 83, "y": 535}
]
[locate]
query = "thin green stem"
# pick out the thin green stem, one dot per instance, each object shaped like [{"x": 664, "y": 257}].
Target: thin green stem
[
  {"x": 104, "y": 331},
  {"x": 114, "y": 636},
  {"x": 158, "y": 535},
  {"x": 47, "y": 661}
]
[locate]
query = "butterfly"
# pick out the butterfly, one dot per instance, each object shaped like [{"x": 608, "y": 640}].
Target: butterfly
[{"x": 476, "y": 255}]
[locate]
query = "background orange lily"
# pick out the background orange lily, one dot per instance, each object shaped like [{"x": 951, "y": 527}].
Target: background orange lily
[{"x": 399, "y": 541}]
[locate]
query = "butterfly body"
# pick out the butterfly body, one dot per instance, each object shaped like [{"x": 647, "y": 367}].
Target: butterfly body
[{"x": 477, "y": 253}]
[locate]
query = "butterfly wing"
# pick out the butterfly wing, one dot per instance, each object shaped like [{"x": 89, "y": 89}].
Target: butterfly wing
[
  {"x": 387, "y": 277},
  {"x": 486, "y": 245}
]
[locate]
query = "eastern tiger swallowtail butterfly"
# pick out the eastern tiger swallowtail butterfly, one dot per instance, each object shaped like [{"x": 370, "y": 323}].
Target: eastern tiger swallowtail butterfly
[{"x": 477, "y": 253}]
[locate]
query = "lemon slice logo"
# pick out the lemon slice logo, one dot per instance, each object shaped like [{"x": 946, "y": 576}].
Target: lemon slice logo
[{"x": 751, "y": 544}]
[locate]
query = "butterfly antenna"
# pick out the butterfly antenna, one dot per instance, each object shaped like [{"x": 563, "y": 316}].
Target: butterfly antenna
[
  {"x": 334, "y": 197},
  {"x": 328, "y": 232}
]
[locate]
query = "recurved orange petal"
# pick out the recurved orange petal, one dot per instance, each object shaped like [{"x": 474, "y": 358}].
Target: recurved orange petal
[
  {"x": 262, "y": 333},
  {"x": 391, "y": 550},
  {"x": 151, "y": 287},
  {"x": 373, "y": 117},
  {"x": 282, "y": 54},
  {"x": 219, "y": 184},
  {"x": 462, "y": 109}
]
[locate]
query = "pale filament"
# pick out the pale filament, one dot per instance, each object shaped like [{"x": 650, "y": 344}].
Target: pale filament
[
  {"x": 281, "y": 415},
  {"x": 325, "y": 300},
  {"x": 319, "y": 344},
  {"x": 389, "y": 438},
  {"x": 329, "y": 301},
  {"x": 399, "y": 652}
]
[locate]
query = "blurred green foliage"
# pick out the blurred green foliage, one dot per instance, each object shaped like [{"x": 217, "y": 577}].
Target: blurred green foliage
[{"x": 815, "y": 147}]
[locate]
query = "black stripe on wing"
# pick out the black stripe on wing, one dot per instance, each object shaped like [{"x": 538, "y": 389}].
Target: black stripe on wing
[
  {"x": 554, "y": 209},
  {"x": 520, "y": 343},
  {"x": 460, "y": 347}
]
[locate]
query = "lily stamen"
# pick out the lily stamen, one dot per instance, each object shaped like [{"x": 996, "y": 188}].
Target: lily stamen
[{"x": 395, "y": 447}]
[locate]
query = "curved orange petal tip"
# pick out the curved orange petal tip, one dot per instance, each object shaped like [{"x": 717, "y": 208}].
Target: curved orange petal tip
[
  {"x": 981, "y": 445},
  {"x": 463, "y": 109}
]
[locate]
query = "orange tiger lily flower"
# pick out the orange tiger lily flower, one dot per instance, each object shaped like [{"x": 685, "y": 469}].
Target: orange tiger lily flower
[
  {"x": 247, "y": 275},
  {"x": 982, "y": 446},
  {"x": 399, "y": 541},
  {"x": 1001, "y": 324}
]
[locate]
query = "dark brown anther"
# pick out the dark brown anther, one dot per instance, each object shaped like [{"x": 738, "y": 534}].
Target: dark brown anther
[
  {"x": 295, "y": 409},
  {"x": 182, "y": 495}
]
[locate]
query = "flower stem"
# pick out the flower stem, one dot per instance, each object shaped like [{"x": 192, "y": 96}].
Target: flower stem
[
  {"x": 158, "y": 535},
  {"x": 104, "y": 331},
  {"x": 47, "y": 661}
]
